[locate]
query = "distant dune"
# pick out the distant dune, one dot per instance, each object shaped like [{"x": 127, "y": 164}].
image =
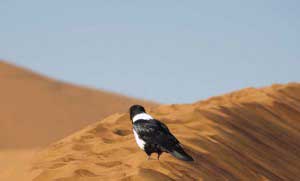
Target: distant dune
[
  {"x": 252, "y": 134},
  {"x": 36, "y": 110}
]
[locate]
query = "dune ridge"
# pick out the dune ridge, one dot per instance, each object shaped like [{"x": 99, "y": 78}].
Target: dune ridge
[{"x": 251, "y": 134}]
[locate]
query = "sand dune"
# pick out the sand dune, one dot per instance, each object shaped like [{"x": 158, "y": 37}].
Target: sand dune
[
  {"x": 252, "y": 134},
  {"x": 36, "y": 110}
]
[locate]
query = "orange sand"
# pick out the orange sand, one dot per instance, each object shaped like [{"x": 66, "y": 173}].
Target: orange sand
[
  {"x": 36, "y": 110},
  {"x": 252, "y": 134}
]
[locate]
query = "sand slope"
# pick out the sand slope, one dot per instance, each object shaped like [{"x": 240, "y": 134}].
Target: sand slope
[
  {"x": 252, "y": 134},
  {"x": 36, "y": 110}
]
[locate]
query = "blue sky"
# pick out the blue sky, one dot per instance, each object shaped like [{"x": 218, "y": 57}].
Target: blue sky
[{"x": 167, "y": 51}]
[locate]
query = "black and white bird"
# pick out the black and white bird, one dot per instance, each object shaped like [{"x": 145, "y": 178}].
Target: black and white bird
[{"x": 153, "y": 136}]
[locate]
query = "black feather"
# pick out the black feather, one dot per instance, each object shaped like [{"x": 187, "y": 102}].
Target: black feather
[
  {"x": 179, "y": 153},
  {"x": 154, "y": 132}
]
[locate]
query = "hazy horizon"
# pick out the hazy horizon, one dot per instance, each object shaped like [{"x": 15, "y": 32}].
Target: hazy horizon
[{"x": 169, "y": 52}]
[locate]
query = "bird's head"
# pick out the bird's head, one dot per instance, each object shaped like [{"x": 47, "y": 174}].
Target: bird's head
[{"x": 136, "y": 109}]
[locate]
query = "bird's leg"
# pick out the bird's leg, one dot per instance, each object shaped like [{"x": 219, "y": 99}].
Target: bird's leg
[
  {"x": 158, "y": 155},
  {"x": 148, "y": 151},
  {"x": 149, "y": 156}
]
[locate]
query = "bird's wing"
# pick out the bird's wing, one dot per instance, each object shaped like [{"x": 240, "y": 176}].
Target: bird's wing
[{"x": 154, "y": 132}]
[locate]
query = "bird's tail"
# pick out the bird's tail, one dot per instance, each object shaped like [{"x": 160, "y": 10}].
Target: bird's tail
[{"x": 180, "y": 154}]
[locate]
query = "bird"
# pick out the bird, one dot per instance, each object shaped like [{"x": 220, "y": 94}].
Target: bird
[{"x": 153, "y": 136}]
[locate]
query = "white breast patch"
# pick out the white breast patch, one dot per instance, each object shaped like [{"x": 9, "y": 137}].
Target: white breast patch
[{"x": 139, "y": 141}]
